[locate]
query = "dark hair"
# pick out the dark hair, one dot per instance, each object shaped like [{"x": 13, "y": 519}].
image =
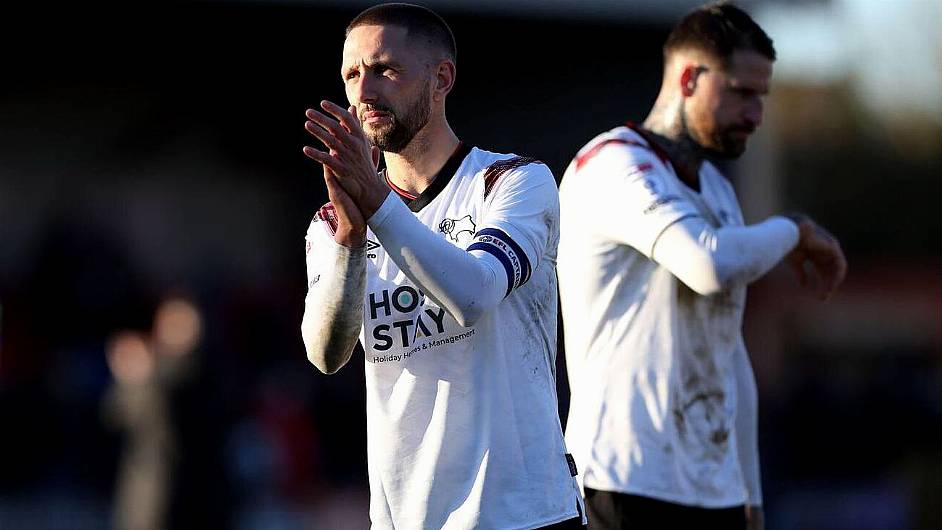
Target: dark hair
[
  {"x": 719, "y": 29},
  {"x": 419, "y": 22}
]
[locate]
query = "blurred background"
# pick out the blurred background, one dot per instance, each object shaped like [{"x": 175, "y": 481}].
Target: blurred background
[{"x": 154, "y": 200}]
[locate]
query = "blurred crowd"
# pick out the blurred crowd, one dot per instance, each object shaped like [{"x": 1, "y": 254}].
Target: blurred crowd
[{"x": 178, "y": 418}]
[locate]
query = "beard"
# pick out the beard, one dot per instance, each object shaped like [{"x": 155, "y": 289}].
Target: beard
[
  {"x": 406, "y": 123},
  {"x": 727, "y": 143}
]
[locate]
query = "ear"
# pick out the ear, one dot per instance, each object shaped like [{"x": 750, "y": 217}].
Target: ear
[
  {"x": 444, "y": 79},
  {"x": 688, "y": 79}
]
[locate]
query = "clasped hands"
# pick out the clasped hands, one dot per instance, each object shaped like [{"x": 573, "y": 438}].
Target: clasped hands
[{"x": 349, "y": 164}]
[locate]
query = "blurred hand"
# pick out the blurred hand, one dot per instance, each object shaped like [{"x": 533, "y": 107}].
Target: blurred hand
[
  {"x": 820, "y": 251},
  {"x": 351, "y": 159},
  {"x": 755, "y": 519}
]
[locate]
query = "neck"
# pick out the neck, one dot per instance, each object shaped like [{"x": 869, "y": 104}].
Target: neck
[
  {"x": 414, "y": 168},
  {"x": 666, "y": 123}
]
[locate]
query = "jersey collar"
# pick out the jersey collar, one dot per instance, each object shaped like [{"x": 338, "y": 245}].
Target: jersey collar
[
  {"x": 442, "y": 178},
  {"x": 660, "y": 152}
]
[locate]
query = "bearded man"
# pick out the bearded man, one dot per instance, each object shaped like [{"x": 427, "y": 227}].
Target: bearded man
[
  {"x": 654, "y": 262},
  {"x": 443, "y": 265}
]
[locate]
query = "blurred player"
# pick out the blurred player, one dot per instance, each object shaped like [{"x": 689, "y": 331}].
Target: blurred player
[
  {"x": 160, "y": 402},
  {"x": 654, "y": 264},
  {"x": 444, "y": 266}
]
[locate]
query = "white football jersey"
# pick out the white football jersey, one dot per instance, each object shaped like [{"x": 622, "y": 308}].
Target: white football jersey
[
  {"x": 650, "y": 361},
  {"x": 462, "y": 422}
]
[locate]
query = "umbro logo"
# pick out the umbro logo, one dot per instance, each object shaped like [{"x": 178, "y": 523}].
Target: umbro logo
[{"x": 370, "y": 246}]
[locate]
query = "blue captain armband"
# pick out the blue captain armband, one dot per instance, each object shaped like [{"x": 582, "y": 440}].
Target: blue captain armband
[{"x": 498, "y": 244}]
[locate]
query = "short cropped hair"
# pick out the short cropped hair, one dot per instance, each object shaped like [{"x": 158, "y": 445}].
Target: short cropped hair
[
  {"x": 719, "y": 29},
  {"x": 419, "y": 22}
]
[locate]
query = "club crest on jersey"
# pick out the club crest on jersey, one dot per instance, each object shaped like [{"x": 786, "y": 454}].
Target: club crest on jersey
[
  {"x": 641, "y": 168},
  {"x": 651, "y": 185},
  {"x": 457, "y": 229},
  {"x": 639, "y": 171}
]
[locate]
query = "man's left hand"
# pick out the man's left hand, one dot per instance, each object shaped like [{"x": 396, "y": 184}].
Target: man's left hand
[
  {"x": 351, "y": 157},
  {"x": 822, "y": 251}
]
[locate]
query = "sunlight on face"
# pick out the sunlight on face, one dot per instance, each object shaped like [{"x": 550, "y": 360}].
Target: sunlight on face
[
  {"x": 727, "y": 105},
  {"x": 387, "y": 79}
]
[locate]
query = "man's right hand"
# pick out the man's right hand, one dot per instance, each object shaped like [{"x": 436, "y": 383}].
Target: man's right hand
[
  {"x": 351, "y": 226},
  {"x": 817, "y": 247},
  {"x": 351, "y": 157}
]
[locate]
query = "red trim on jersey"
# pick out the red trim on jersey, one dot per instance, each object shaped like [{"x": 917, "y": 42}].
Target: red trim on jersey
[
  {"x": 328, "y": 214},
  {"x": 409, "y": 197},
  {"x": 652, "y": 145},
  {"x": 397, "y": 189},
  {"x": 594, "y": 150},
  {"x": 681, "y": 171},
  {"x": 497, "y": 169}
]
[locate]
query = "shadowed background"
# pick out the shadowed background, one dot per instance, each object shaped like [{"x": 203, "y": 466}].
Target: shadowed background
[{"x": 154, "y": 152}]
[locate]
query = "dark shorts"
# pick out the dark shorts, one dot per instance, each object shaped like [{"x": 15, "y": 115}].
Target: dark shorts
[{"x": 620, "y": 511}]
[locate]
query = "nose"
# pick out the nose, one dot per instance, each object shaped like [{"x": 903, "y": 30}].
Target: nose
[
  {"x": 752, "y": 113},
  {"x": 362, "y": 90}
]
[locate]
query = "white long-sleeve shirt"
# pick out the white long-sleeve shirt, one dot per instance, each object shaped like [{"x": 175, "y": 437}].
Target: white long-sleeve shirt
[
  {"x": 458, "y": 324},
  {"x": 653, "y": 280}
]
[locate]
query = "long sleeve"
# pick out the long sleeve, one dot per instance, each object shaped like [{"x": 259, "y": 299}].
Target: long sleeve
[
  {"x": 710, "y": 260},
  {"x": 466, "y": 284},
  {"x": 333, "y": 307},
  {"x": 641, "y": 207},
  {"x": 469, "y": 282}
]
